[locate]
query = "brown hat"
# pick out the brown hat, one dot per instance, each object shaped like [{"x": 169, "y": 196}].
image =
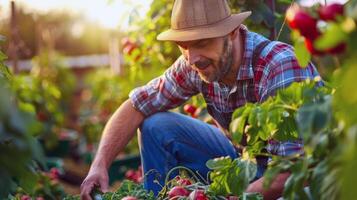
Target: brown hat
[{"x": 200, "y": 19}]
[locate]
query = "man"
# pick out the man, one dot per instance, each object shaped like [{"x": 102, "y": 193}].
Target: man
[{"x": 225, "y": 62}]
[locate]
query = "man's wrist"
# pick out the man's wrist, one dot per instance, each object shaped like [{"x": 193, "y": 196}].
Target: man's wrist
[{"x": 99, "y": 164}]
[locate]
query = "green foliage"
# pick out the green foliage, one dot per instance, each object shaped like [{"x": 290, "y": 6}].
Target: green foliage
[
  {"x": 127, "y": 188},
  {"x": 17, "y": 128},
  {"x": 302, "y": 54},
  {"x": 308, "y": 109},
  {"x": 266, "y": 19},
  {"x": 230, "y": 177},
  {"x": 45, "y": 186},
  {"x": 275, "y": 118},
  {"x": 47, "y": 93},
  {"x": 334, "y": 35},
  {"x": 4, "y": 70}
]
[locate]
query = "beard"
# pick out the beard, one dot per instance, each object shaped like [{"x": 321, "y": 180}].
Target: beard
[{"x": 220, "y": 68}]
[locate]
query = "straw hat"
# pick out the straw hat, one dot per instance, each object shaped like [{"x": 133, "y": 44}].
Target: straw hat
[{"x": 200, "y": 19}]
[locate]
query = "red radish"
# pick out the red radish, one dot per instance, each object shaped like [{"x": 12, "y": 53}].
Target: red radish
[
  {"x": 330, "y": 12},
  {"x": 54, "y": 173},
  {"x": 184, "y": 181},
  {"x": 129, "y": 198},
  {"x": 198, "y": 195},
  {"x": 130, "y": 174},
  {"x": 25, "y": 197},
  {"x": 178, "y": 191}
]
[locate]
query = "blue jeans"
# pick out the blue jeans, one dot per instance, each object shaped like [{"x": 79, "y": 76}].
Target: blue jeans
[{"x": 170, "y": 139}]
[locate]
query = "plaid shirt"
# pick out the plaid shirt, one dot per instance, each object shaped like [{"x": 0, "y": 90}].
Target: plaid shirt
[{"x": 262, "y": 72}]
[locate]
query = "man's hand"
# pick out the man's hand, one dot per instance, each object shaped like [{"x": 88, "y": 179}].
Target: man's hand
[
  {"x": 274, "y": 191},
  {"x": 97, "y": 177},
  {"x": 120, "y": 128}
]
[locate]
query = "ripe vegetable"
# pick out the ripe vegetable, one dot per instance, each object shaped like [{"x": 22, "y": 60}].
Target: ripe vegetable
[
  {"x": 198, "y": 195},
  {"x": 184, "y": 181},
  {"x": 300, "y": 20},
  {"x": 340, "y": 48},
  {"x": 190, "y": 109},
  {"x": 330, "y": 12},
  {"x": 178, "y": 191},
  {"x": 129, "y": 198}
]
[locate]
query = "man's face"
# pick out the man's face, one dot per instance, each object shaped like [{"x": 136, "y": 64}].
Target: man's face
[{"x": 211, "y": 58}]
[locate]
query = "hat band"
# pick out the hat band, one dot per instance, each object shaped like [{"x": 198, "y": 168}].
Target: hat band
[{"x": 203, "y": 25}]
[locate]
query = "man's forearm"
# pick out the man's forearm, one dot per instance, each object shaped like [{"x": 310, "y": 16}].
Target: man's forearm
[
  {"x": 274, "y": 191},
  {"x": 118, "y": 131}
]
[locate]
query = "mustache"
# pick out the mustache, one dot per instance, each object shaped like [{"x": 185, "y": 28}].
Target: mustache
[{"x": 201, "y": 64}]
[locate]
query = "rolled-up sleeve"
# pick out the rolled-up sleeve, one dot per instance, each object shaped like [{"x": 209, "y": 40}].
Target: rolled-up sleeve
[{"x": 167, "y": 91}]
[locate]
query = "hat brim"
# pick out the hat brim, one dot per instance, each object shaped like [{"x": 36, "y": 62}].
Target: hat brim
[{"x": 218, "y": 29}]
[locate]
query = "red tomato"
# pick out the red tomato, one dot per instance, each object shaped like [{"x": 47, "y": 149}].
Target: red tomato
[
  {"x": 340, "y": 48},
  {"x": 330, "y": 12},
  {"x": 302, "y": 21},
  {"x": 190, "y": 109},
  {"x": 128, "y": 49},
  {"x": 198, "y": 195},
  {"x": 178, "y": 191}
]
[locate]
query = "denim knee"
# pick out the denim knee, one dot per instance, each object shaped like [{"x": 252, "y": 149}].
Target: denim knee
[{"x": 157, "y": 124}]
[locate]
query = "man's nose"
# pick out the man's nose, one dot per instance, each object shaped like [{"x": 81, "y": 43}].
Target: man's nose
[{"x": 192, "y": 56}]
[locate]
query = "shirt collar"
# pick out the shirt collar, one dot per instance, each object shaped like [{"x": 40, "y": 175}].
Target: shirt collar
[{"x": 245, "y": 70}]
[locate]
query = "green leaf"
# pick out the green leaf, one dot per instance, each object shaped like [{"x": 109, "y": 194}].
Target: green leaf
[
  {"x": 317, "y": 179},
  {"x": 28, "y": 180},
  {"x": 251, "y": 196},
  {"x": 219, "y": 163},
  {"x": 333, "y": 36},
  {"x": 303, "y": 56},
  {"x": 2, "y": 56},
  {"x": 285, "y": 1},
  {"x": 6, "y": 184},
  {"x": 313, "y": 117},
  {"x": 237, "y": 128}
]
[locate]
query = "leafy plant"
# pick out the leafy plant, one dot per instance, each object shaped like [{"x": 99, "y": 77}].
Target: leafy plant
[
  {"x": 127, "y": 188},
  {"x": 17, "y": 130}
]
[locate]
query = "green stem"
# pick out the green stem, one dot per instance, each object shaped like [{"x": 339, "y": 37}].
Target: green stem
[
  {"x": 288, "y": 107},
  {"x": 180, "y": 167}
]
